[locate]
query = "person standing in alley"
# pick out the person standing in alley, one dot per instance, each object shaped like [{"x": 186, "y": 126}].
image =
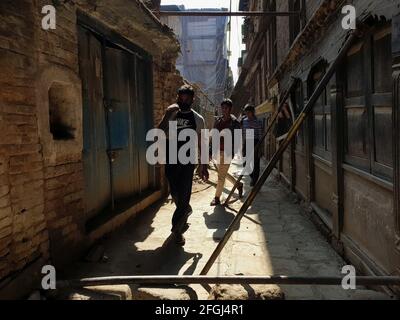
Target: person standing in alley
[
  {"x": 225, "y": 121},
  {"x": 179, "y": 175},
  {"x": 251, "y": 122}
]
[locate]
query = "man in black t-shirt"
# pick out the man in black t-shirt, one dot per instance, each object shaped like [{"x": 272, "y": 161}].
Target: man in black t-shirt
[{"x": 179, "y": 175}]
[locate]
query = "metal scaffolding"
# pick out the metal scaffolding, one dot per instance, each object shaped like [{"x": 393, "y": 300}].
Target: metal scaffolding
[{"x": 229, "y": 13}]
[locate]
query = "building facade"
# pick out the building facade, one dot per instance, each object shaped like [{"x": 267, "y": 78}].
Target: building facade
[
  {"x": 75, "y": 106},
  {"x": 204, "y": 57},
  {"x": 344, "y": 161}
]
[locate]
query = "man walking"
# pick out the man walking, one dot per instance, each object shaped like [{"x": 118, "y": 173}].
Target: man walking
[
  {"x": 179, "y": 175},
  {"x": 225, "y": 121},
  {"x": 250, "y": 122}
]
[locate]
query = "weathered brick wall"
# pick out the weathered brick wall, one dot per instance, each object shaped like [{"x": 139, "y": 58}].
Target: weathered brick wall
[
  {"x": 167, "y": 81},
  {"x": 23, "y": 232},
  {"x": 63, "y": 179},
  {"x": 41, "y": 197}
]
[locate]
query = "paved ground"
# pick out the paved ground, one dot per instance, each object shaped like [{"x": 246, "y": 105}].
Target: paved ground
[{"x": 275, "y": 237}]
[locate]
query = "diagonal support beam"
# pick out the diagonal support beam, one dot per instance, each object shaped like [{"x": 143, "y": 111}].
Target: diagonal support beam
[{"x": 275, "y": 158}]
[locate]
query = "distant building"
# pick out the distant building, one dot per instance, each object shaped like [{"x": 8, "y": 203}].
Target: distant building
[{"x": 204, "y": 55}]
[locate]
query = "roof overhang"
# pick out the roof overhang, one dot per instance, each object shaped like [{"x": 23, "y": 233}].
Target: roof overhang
[{"x": 135, "y": 22}]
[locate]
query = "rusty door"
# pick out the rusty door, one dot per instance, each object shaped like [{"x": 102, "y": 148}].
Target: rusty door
[
  {"x": 117, "y": 113},
  {"x": 95, "y": 145},
  {"x": 143, "y": 119},
  {"x": 120, "y": 105}
]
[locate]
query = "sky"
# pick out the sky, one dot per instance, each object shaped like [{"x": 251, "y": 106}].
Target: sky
[{"x": 236, "y": 38}]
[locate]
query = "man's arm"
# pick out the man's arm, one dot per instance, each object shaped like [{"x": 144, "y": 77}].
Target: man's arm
[
  {"x": 200, "y": 124},
  {"x": 163, "y": 125}
]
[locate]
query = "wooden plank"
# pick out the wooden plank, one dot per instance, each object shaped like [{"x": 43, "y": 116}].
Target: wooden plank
[
  {"x": 396, "y": 149},
  {"x": 396, "y": 35},
  {"x": 336, "y": 100}
]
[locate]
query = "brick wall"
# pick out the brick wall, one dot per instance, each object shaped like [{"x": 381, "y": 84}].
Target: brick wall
[
  {"x": 23, "y": 234},
  {"x": 63, "y": 178},
  {"x": 41, "y": 198},
  {"x": 167, "y": 81}
]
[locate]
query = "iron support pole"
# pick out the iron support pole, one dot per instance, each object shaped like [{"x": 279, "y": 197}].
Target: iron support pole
[
  {"x": 279, "y": 279},
  {"x": 275, "y": 158},
  {"x": 229, "y": 13}
]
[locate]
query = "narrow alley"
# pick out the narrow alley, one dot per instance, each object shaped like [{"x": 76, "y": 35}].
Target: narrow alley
[
  {"x": 275, "y": 237},
  {"x": 125, "y": 126}
]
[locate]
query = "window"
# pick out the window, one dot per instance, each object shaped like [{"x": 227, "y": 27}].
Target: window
[
  {"x": 321, "y": 117},
  {"x": 295, "y": 22},
  {"x": 368, "y": 104},
  {"x": 273, "y": 44},
  {"x": 60, "y": 115},
  {"x": 296, "y": 100},
  {"x": 61, "y": 120},
  {"x": 381, "y": 102}
]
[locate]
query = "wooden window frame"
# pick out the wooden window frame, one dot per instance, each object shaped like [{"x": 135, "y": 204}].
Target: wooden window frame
[
  {"x": 368, "y": 101},
  {"x": 323, "y": 109},
  {"x": 300, "y": 137},
  {"x": 273, "y": 39},
  {"x": 296, "y": 20}
]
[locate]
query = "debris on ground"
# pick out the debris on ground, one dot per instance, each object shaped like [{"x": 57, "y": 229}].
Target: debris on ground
[{"x": 246, "y": 292}]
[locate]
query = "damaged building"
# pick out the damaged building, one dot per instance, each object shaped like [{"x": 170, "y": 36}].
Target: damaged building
[
  {"x": 75, "y": 106},
  {"x": 344, "y": 162}
]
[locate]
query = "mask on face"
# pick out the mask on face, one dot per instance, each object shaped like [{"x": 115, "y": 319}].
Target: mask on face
[{"x": 184, "y": 105}]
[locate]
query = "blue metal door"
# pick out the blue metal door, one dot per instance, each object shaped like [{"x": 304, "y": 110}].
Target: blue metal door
[
  {"x": 95, "y": 158},
  {"x": 123, "y": 154},
  {"x": 117, "y": 113},
  {"x": 144, "y": 123}
]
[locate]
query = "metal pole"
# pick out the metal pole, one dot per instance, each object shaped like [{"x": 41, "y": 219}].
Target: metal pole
[
  {"x": 259, "y": 144},
  {"x": 162, "y": 280},
  {"x": 229, "y": 13},
  {"x": 275, "y": 158}
]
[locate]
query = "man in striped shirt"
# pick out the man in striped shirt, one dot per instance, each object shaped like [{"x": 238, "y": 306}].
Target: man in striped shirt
[{"x": 251, "y": 122}]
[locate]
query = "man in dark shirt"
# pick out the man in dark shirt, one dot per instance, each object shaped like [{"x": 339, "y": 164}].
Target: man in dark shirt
[
  {"x": 180, "y": 175},
  {"x": 225, "y": 121},
  {"x": 252, "y": 123}
]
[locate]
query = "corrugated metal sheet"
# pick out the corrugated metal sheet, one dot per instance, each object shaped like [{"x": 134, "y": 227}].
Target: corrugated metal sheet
[
  {"x": 95, "y": 159},
  {"x": 116, "y": 121}
]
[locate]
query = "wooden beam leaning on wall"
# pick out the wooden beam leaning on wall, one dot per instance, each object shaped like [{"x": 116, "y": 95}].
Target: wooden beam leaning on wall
[{"x": 353, "y": 35}]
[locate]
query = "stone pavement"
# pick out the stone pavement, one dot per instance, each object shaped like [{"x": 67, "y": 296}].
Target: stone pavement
[{"x": 275, "y": 237}]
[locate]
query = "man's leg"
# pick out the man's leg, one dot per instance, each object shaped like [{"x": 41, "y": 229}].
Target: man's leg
[
  {"x": 172, "y": 174},
  {"x": 183, "y": 207},
  {"x": 222, "y": 172},
  {"x": 256, "y": 171}
]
